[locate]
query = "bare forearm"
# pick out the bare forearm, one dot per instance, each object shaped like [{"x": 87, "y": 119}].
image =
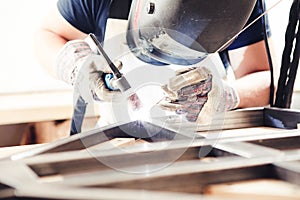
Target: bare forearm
[
  {"x": 53, "y": 33},
  {"x": 47, "y": 45},
  {"x": 253, "y": 89}
]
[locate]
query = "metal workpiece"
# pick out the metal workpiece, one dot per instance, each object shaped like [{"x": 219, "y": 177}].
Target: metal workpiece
[
  {"x": 289, "y": 171},
  {"x": 281, "y": 117},
  {"x": 145, "y": 155},
  {"x": 155, "y": 160},
  {"x": 244, "y": 118}
]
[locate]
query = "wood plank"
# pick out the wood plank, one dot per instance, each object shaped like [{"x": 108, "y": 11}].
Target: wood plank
[
  {"x": 270, "y": 189},
  {"x": 38, "y": 106},
  {"x": 35, "y": 107}
]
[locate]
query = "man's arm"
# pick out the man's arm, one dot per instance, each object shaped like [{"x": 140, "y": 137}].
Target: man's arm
[
  {"x": 252, "y": 72},
  {"x": 53, "y": 33}
]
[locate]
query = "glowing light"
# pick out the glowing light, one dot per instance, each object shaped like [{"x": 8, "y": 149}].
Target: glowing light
[{"x": 149, "y": 96}]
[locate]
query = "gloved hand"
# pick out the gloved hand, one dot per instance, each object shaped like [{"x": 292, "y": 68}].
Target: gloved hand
[
  {"x": 77, "y": 62},
  {"x": 196, "y": 93}
]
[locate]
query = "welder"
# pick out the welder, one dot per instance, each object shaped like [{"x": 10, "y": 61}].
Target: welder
[{"x": 203, "y": 27}]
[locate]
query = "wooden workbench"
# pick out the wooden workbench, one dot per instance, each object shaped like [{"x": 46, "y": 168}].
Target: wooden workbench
[{"x": 35, "y": 106}]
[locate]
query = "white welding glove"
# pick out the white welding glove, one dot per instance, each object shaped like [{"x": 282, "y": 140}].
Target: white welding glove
[
  {"x": 195, "y": 92},
  {"x": 76, "y": 63}
]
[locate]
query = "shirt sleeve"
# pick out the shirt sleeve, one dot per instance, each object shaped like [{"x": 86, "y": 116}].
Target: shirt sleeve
[
  {"x": 255, "y": 32},
  {"x": 88, "y": 16}
]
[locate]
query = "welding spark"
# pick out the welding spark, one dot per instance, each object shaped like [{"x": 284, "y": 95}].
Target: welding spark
[
  {"x": 135, "y": 102},
  {"x": 143, "y": 102}
]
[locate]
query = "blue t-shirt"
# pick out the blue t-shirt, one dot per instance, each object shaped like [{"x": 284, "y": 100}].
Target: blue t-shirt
[{"x": 90, "y": 16}]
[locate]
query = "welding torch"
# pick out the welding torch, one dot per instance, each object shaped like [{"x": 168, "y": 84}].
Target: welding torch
[{"x": 119, "y": 81}]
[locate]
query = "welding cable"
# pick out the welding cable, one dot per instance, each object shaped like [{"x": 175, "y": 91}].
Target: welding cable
[
  {"x": 81, "y": 106},
  {"x": 78, "y": 116},
  {"x": 264, "y": 19},
  {"x": 289, "y": 68}
]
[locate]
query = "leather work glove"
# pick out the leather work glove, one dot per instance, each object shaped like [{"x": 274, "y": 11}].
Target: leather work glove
[
  {"x": 77, "y": 64},
  {"x": 196, "y": 93}
]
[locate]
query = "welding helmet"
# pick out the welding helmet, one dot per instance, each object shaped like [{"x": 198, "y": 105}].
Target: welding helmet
[{"x": 183, "y": 31}]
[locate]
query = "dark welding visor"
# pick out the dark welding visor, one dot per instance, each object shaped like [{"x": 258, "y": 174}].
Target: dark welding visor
[{"x": 184, "y": 31}]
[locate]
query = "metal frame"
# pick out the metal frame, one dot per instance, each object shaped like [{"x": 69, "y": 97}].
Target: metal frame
[{"x": 179, "y": 159}]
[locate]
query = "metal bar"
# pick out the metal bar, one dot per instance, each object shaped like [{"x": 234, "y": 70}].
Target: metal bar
[
  {"x": 281, "y": 118},
  {"x": 185, "y": 164},
  {"x": 112, "y": 66}
]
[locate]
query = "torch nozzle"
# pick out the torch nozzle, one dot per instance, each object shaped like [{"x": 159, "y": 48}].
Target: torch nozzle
[{"x": 120, "y": 81}]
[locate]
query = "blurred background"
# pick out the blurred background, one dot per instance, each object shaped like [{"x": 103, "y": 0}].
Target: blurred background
[{"x": 28, "y": 94}]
